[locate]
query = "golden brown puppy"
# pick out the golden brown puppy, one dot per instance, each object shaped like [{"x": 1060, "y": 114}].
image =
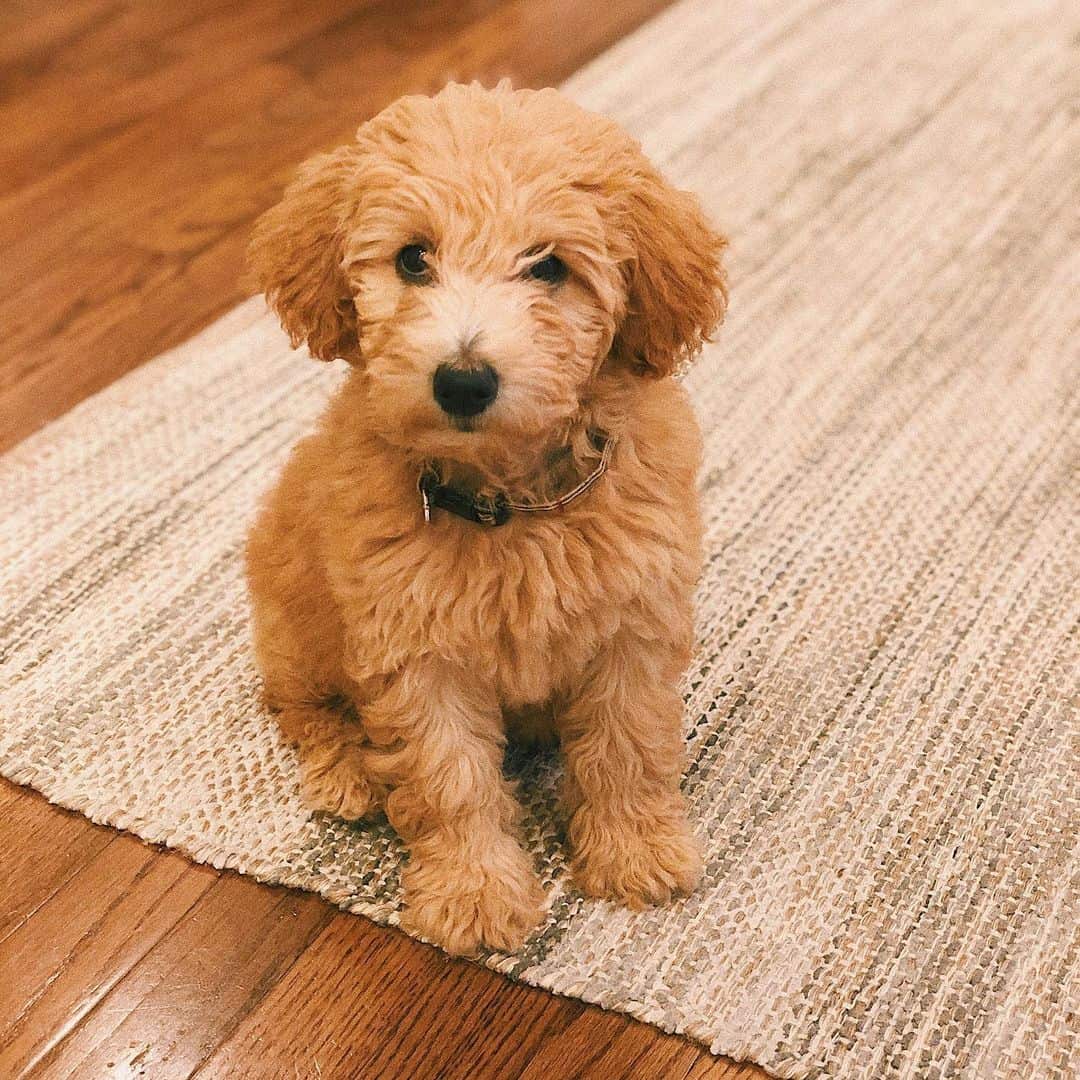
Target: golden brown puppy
[{"x": 512, "y": 283}]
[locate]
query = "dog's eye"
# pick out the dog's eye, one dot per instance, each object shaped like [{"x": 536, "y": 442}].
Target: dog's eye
[
  {"x": 412, "y": 264},
  {"x": 551, "y": 270}
]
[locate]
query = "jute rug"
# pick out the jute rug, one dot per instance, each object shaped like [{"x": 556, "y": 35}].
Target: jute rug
[{"x": 882, "y": 718}]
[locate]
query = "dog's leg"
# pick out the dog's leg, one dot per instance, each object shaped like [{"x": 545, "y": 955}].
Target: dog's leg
[
  {"x": 304, "y": 684},
  {"x": 299, "y": 642},
  {"x": 622, "y": 735},
  {"x": 439, "y": 746}
]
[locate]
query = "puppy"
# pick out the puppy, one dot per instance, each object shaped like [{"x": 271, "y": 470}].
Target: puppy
[{"x": 495, "y": 527}]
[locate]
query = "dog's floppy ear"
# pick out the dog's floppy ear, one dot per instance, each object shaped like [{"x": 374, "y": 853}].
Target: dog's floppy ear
[
  {"x": 675, "y": 282},
  {"x": 296, "y": 252}
]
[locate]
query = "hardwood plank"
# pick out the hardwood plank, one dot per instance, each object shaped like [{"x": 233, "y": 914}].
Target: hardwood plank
[
  {"x": 9, "y": 794},
  {"x": 41, "y": 847},
  {"x": 187, "y": 991},
  {"x": 587, "y": 1050},
  {"x": 84, "y": 940},
  {"x": 708, "y": 1067},
  {"x": 129, "y": 63}
]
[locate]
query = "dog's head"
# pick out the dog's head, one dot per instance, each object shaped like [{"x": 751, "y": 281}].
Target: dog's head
[{"x": 481, "y": 256}]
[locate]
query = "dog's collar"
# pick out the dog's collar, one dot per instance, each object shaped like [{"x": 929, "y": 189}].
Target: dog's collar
[{"x": 497, "y": 509}]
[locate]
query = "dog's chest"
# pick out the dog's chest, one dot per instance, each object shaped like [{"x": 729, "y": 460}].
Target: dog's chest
[{"x": 524, "y": 607}]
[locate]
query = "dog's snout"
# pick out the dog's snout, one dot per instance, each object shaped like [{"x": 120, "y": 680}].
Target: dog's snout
[{"x": 465, "y": 391}]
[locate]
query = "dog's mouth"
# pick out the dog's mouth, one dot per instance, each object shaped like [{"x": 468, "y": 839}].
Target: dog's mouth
[{"x": 464, "y": 423}]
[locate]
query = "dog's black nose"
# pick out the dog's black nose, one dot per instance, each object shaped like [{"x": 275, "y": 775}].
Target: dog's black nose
[{"x": 465, "y": 391}]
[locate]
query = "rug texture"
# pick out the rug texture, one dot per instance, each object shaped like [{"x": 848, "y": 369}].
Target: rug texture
[{"x": 882, "y": 718}]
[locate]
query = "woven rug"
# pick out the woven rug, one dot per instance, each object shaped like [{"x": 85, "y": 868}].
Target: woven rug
[{"x": 882, "y": 718}]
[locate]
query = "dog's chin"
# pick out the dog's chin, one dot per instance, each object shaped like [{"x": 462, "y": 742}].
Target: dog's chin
[
  {"x": 492, "y": 438},
  {"x": 497, "y": 435},
  {"x": 468, "y": 439},
  {"x": 483, "y": 443}
]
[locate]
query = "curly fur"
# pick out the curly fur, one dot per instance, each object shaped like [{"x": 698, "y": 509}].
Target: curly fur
[{"x": 399, "y": 654}]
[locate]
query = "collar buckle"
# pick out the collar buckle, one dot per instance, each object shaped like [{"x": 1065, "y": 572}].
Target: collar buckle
[{"x": 494, "y": 510}]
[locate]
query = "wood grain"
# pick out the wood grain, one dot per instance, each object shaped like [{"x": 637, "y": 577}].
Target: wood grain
[{"x": 140, "y": 141}]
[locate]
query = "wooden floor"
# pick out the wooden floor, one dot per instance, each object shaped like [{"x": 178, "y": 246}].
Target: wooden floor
[{"x": 139, "y": 142}]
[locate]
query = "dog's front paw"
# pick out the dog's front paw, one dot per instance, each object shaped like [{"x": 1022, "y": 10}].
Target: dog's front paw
[
  {"x": 464, "y": 907},
  {"x": 636, "y": 863},
  {"x": 334, "y": 782}
]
